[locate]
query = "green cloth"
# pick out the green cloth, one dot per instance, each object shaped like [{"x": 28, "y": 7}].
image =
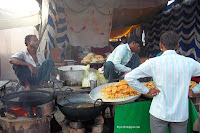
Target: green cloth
[{"x": 135, "y": 118}]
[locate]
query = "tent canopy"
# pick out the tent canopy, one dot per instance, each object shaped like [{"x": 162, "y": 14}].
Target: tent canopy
[
  {"x": 126, "y": 13},
  {"x": 19, "y": 13},
  {"x": 134, "y": 12},
  {"x": 78, "y": 21}
]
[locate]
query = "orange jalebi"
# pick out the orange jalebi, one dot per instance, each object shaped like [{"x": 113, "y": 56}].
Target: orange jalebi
[{"x": 119, "y": 90}]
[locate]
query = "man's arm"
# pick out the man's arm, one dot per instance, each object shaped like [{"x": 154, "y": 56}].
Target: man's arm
[
  {"x": 196, "y": 72},
  {"x": 19, "y": 62},
  {"x": 144, "y": 70}
]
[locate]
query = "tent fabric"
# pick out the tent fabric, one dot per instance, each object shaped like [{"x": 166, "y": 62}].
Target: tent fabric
[
  {"x": 136, "y": 4},
  {"x": 4, "y": 14},
  {"x": 55, "y": 31},
  {"x": 184, "y": 19},
  {"x": 124, "y": 17},
  {"x": 24, "y": 21},
  {"x": 12, "y": 20},
  {"x": 15, "y": 16},
  {"x": 85, "y": 25},
  {"x": 115, "y": 34},
  {"x": 79, "y": 23}
]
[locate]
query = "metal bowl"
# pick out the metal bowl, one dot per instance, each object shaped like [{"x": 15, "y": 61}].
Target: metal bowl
[{"x": 72, "y": 75}]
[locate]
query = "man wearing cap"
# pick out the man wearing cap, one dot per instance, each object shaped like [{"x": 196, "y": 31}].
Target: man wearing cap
[{"x": 123, "y": 59}]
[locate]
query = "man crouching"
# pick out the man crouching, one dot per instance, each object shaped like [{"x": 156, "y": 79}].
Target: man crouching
[{"x": 30, "y": 66}]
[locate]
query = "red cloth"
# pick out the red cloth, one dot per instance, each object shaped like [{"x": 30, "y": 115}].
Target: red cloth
[
  {"x": 101, "y": 51},
  {"x": 196, "y": 79}
]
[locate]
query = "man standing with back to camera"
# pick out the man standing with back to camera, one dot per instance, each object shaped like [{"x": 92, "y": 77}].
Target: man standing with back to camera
[
  {"x": 30, "y": 66},
  {"x": 172, "y": 75}
]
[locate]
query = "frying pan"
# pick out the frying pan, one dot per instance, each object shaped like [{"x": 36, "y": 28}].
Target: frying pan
[
  {"x": 95, "y": 94},
  {"x": 79, "y": 106},
  {"x": 27, "y": 98}
]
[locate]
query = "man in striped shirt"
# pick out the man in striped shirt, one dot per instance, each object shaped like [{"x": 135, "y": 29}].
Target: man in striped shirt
[{"x": 171, "y": 74}]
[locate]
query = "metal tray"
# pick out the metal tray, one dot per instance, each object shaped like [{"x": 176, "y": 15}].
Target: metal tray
[{"x": 94, "y": 94}]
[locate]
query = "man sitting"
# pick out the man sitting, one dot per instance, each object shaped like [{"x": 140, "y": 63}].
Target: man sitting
[
  {"x": 30, "y": 66},
  {"x": 123, "y": 59}
]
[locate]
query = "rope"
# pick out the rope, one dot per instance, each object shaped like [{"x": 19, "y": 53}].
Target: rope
[
  {"x": 99, "y": 6},
  {"x": 103, "y": 12},
  {"x": 92, "y": 2},
  {"x": 89, "y": 3},
  {"x": 74, "y": 10}
]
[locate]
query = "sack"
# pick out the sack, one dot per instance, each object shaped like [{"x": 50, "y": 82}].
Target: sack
[{"x": 92, "y": 74}]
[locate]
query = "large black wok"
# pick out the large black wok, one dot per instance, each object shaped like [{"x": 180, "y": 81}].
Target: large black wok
[
  {"x": 79, "y": 106},
  {"x": 27, "y": 98}
]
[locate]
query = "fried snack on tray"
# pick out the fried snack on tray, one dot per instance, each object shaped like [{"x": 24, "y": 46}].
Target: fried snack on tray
[
  {"x": 151, "y": 84},
  {"x": 192, "y": 84},
  {"x": 119, "y": 90}
]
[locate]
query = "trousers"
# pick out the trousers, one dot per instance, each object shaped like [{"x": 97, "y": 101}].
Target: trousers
[
  {"x": 160, "y": 126},
  {"x": 43, "y": 73},
  {"x": 109, "y": 68}
]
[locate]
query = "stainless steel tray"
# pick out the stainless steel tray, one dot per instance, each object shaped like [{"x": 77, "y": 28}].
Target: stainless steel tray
[{"x": 95, "y": 94}]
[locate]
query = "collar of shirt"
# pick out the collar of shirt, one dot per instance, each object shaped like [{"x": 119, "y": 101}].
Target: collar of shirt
[
  {"x": 28, "y": 54},
  {"x": 39, "y": 57},
  {"x": 169, "y": 52}
]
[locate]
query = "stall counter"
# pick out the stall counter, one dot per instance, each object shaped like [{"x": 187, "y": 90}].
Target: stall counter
[{"x": 135, "y": 118}]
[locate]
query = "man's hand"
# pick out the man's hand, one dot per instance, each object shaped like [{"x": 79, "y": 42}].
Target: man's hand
[
  {"x": 191, "y": 93},
  {"x": 33, "y": 70},
  {"x": 153, "y": 92}
]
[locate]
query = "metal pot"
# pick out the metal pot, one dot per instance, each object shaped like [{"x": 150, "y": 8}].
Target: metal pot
[
  {"x": 79, "y": 107},
  {"x": 72, "y": 75}
]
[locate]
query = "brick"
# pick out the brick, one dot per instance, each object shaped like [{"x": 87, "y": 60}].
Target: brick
[
  {"x": 99, "y": 120},
  {"x": 75, "y": 125},
  {"x": 72, "y": 130},
  {"x": 63, "y": 123},
  {"x": 65, "y": 129},
  {"x": 82, "y": 130},
  {"x": 97, "y": 128},
  {"x": 9, "y": 115}
]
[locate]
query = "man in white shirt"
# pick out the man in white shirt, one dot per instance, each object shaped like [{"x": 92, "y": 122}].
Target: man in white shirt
[
  {"x": 172, "y": 75},
  {"x": 123, "y": 59},
  {"x": 30, "y": 66}
]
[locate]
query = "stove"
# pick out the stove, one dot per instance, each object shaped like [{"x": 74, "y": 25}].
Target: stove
[
  {"x": 94, "y": 126},
  {"x": 27, "y": 112}
]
